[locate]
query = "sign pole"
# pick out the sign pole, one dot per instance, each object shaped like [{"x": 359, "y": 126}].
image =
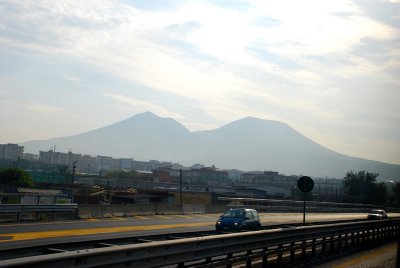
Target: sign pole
[{"x": 305, "y": 184}]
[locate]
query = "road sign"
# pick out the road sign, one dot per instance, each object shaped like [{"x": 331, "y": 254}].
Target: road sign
[{"x": 305, "y": 184}]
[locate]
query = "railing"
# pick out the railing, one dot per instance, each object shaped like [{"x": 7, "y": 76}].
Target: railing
[
  {"x": 267, "y": 247},
  {"x": 296, "y": 206},
  {"x": 34, "y": 210},
  {"x": 10, "y": 208}
]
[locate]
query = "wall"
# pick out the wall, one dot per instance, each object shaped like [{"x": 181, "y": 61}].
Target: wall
[{"x": 104, "y": 211}]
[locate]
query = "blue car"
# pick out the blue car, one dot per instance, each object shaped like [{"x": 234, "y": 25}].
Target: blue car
[{"x": 238, "y": 218}]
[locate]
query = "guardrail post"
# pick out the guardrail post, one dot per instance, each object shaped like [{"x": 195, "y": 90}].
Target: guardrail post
[
  {"x": 280, "y": 255},
  {"x": 332, "y": 246},
  {"x": 292, "y": 251},
  {"x": 313, "y": 246},
  {"x": 248, "y": 261},
  {"x": 208, "y": 260},
  {"x": 229, "y": 256},
  {"x": 379, "y": 235},
  {"x": 388, "y": 233},
  {"x": 265, "y": 258},
  {"x": 373, "y": 235},
  {"x": 384, "y": 233},
  {"x": 323, "y": 244},
  {"x": 339, "y": 247},
  {"x": 362, "y": 234},
  {"x": 303, "y": 248},
  {"x": 346, "y": 240}
]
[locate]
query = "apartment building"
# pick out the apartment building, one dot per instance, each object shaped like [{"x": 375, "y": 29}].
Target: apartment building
[
  {"x": 58, "y": 158},
  {"x": 11, "y": 151}
]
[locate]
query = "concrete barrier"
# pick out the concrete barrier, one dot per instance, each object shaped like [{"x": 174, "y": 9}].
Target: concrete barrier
[{"x": 128, "y": 210}]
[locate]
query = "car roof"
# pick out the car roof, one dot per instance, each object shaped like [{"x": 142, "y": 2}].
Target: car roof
[
  {"x": 377, "y": 210},
  {"x": 249, "y": 209}
]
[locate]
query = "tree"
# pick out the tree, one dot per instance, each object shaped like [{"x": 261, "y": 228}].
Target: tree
[
  {"x": 15, "y": 177},
  {"x": 378, "y": 194},
  {"x": 395, "y": 197},
  {"x": 63, "y": 169},
  {"x": 361, "y": 187}
]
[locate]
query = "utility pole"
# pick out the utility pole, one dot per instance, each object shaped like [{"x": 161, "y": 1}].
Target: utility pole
[
  {"x": 73, "y": 180},
  {"x": 180, "y": 188},
  {"x": 108, "y": 191},
  {"x": 304, "y": 202}
]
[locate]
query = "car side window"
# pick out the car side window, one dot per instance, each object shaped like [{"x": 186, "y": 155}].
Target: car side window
[
  {"x": 249, "y": 215},
  {"x": 255, "y": 214}
]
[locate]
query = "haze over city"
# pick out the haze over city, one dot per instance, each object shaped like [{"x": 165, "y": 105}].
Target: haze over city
[{"x": 330, "y": 69}]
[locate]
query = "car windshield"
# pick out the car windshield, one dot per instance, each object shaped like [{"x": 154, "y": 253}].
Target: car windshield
[
  {"x": 234, "y": 213},
  {"x": 376, "y": 211}
]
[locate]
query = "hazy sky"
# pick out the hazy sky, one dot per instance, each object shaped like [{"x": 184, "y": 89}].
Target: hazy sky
[{"x": 329, "y": 69}]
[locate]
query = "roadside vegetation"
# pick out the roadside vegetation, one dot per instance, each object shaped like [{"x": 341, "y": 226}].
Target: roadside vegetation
[{"x": 15, "y": 177}]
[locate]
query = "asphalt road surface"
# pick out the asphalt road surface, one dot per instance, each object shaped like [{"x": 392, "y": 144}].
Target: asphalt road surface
[{"x": 14, "y": 235}]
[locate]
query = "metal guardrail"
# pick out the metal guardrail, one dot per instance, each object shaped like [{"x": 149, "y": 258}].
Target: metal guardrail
[
  {"x": 18, "y": 208},
  {"x": 266, "y": 247},
  {"x": 293, "y": 205},
  {"x": 20, "y": 212},
  {"x": 41, "y": 248}
]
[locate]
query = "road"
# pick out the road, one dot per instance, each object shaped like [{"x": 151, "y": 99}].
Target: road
[{"x": 15, "y": 235}]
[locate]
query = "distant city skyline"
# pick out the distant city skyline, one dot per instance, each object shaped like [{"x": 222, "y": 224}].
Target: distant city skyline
[{"x": 331, "y": 70}]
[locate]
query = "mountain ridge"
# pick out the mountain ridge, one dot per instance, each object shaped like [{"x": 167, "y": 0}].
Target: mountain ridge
[{"x": 248, "y": 144}]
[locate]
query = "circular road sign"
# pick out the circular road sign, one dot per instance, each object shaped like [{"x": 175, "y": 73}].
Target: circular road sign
[{"x": 305, "y": 184}]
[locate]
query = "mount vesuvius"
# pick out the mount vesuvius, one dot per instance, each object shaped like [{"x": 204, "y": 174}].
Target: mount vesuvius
[{"x": 246, "y": 144}]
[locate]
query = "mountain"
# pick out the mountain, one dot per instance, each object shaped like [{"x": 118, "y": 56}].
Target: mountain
[{"x": 247, "y": 144}]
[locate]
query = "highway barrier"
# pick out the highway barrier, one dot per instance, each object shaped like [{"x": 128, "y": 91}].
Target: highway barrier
[
  {"x": 32, "y": 211},
  {"x": 277, "y": 247}
]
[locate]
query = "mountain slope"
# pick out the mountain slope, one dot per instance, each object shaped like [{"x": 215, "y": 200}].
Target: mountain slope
[
  {"x": 143, "y": 136},
  {"x": 247, "y": 144}
]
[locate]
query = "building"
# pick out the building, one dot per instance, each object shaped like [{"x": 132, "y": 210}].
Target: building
[
  {"x": 58, "y": 158},
  {"x": 88, "y": 164},
  {"x": 160, "y": 175},
  {"x": 259, "y": 177},
  {"x": 125, "y": 164},
  {"x": 11, "y": 151},
  {"x": 29, "y": 196},
  {"x": 207, "y": 175},
  {"x": 30, "y": 157}
]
